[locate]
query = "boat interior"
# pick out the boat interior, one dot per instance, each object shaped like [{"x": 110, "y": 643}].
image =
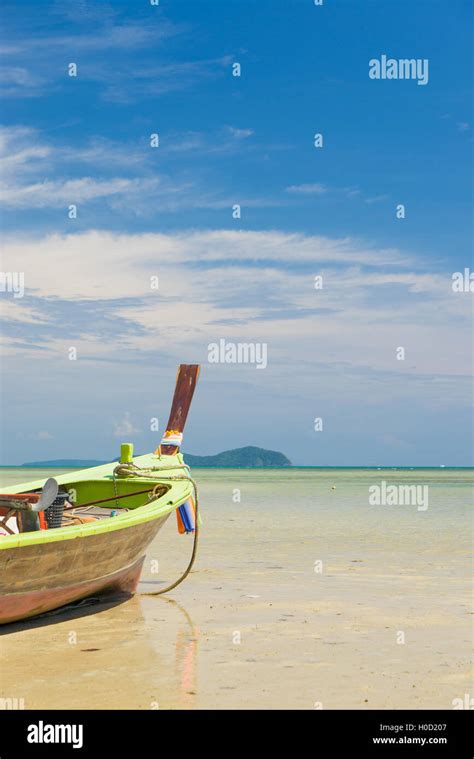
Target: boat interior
[{"x": 75, "y": 502}]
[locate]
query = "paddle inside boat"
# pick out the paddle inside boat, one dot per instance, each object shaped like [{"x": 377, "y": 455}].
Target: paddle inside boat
[{"x": 86, "y": 532}]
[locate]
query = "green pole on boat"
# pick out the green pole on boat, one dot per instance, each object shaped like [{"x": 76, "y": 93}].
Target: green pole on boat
[{"x": 126, "y": 453}]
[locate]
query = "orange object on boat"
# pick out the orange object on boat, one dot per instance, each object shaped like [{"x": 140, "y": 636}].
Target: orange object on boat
[
  {"x": 186, "y": 516},
  {"x": 180, "y": 523},
  {"x": 42, "y": 520}
]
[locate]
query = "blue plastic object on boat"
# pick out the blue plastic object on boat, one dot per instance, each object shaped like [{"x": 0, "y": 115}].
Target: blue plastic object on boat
[{"x": 186, "y": 512}]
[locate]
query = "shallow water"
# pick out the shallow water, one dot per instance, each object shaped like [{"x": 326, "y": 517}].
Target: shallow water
[{"x": 303, "y": 594}]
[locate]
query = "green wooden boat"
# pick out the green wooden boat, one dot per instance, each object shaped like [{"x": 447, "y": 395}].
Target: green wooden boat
[{"x": 111, "y": 514}]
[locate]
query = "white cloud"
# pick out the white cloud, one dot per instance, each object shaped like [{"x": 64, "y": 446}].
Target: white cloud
[
  {"x": 109, "y": 36},
  {"x": 44, "y": 435},
  {"x": 14, "y": 310},
  {"x": 307, "y": 189},
  {"x": 41, "y": 435},
  {"x": 317, "y": 188},
  {"x": 245, "y": 287},
  {"x": 21, "y": 153},
  {"x": 108, "y": 265},
  {"x": 103, "y": 56},
  {"x": 240, "y": 134},
  {"x": 35, "y": 173},
  {"x": 18, "y": 81},
  {"x": 376, "y": 199},
  {"x": 18, "y": 75},
  {"x": 125, "y": 427},
  {"x": 351, "y": 192},
  {"x": 57, "y": 192},
  {"x": 126, "y": 85}
]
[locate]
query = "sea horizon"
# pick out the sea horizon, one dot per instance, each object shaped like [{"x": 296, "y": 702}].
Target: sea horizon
[{"x": 274, "y": 468}]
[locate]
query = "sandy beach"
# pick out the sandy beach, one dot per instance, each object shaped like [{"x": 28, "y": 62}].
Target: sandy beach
[{"x": 303, "y": 596}]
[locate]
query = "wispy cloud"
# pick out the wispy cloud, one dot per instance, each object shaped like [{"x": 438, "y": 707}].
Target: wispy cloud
[
  {"x": 126, "y": 85},
  {"x": 109, "y": 36},
  {"x": 36, "y": 173},
  {"x": 240, "y": 134},
  {"x": 16, "y": 75},
  {"x": 85, "y": 11},
  {"x": 236, "y": 285},
  {"x": 375, "y": 199},
  {"x": 42, "y": 436},
  {"x": 307, "y": 189},
  {"x": 317, "y": 188},
  {"x": 121, "y": 57},
  {"x": 106, "y": 256},
  {"x": 19, "y": 81},
  {"x": 52, "y": 194},
  {"x": 125, "y": 427}
]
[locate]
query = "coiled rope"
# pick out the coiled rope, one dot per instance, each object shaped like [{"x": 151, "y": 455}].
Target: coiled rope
[{"x": 132, "y": 470}]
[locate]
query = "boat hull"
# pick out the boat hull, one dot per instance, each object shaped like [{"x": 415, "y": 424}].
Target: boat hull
[{"x": 49, "y": 575}]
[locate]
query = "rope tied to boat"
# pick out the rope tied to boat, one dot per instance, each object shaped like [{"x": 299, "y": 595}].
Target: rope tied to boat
[{"x": 133, "y": 470}]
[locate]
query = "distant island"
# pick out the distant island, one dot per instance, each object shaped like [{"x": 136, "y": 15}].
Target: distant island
[
  {"x": 64, "y": 464},
  {"x": 250, "y": 456}
]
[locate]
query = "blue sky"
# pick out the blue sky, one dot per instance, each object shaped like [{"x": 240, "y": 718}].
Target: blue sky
[{"x": 167, "y": 212}]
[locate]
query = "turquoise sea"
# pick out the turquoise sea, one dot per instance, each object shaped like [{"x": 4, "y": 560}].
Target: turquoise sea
[{"x": 304, "y": 593}]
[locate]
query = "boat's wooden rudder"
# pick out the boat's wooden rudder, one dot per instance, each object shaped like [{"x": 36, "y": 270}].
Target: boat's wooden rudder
[{"x": 186, "y": 380}]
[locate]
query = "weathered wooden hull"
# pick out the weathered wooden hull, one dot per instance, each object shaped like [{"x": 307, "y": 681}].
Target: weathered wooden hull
[{"x": 38, "y": 578}]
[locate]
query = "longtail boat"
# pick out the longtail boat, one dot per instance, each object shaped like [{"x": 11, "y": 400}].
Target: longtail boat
[{"x": 86, "y": 532}]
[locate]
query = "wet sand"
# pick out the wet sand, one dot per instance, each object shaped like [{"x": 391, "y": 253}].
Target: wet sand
[{"x": 255, "y": 626}]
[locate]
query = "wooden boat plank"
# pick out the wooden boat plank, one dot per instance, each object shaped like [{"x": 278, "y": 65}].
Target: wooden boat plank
[
  {"x": 32, "y": 603},
  {"x": 38, "y": 567}
]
